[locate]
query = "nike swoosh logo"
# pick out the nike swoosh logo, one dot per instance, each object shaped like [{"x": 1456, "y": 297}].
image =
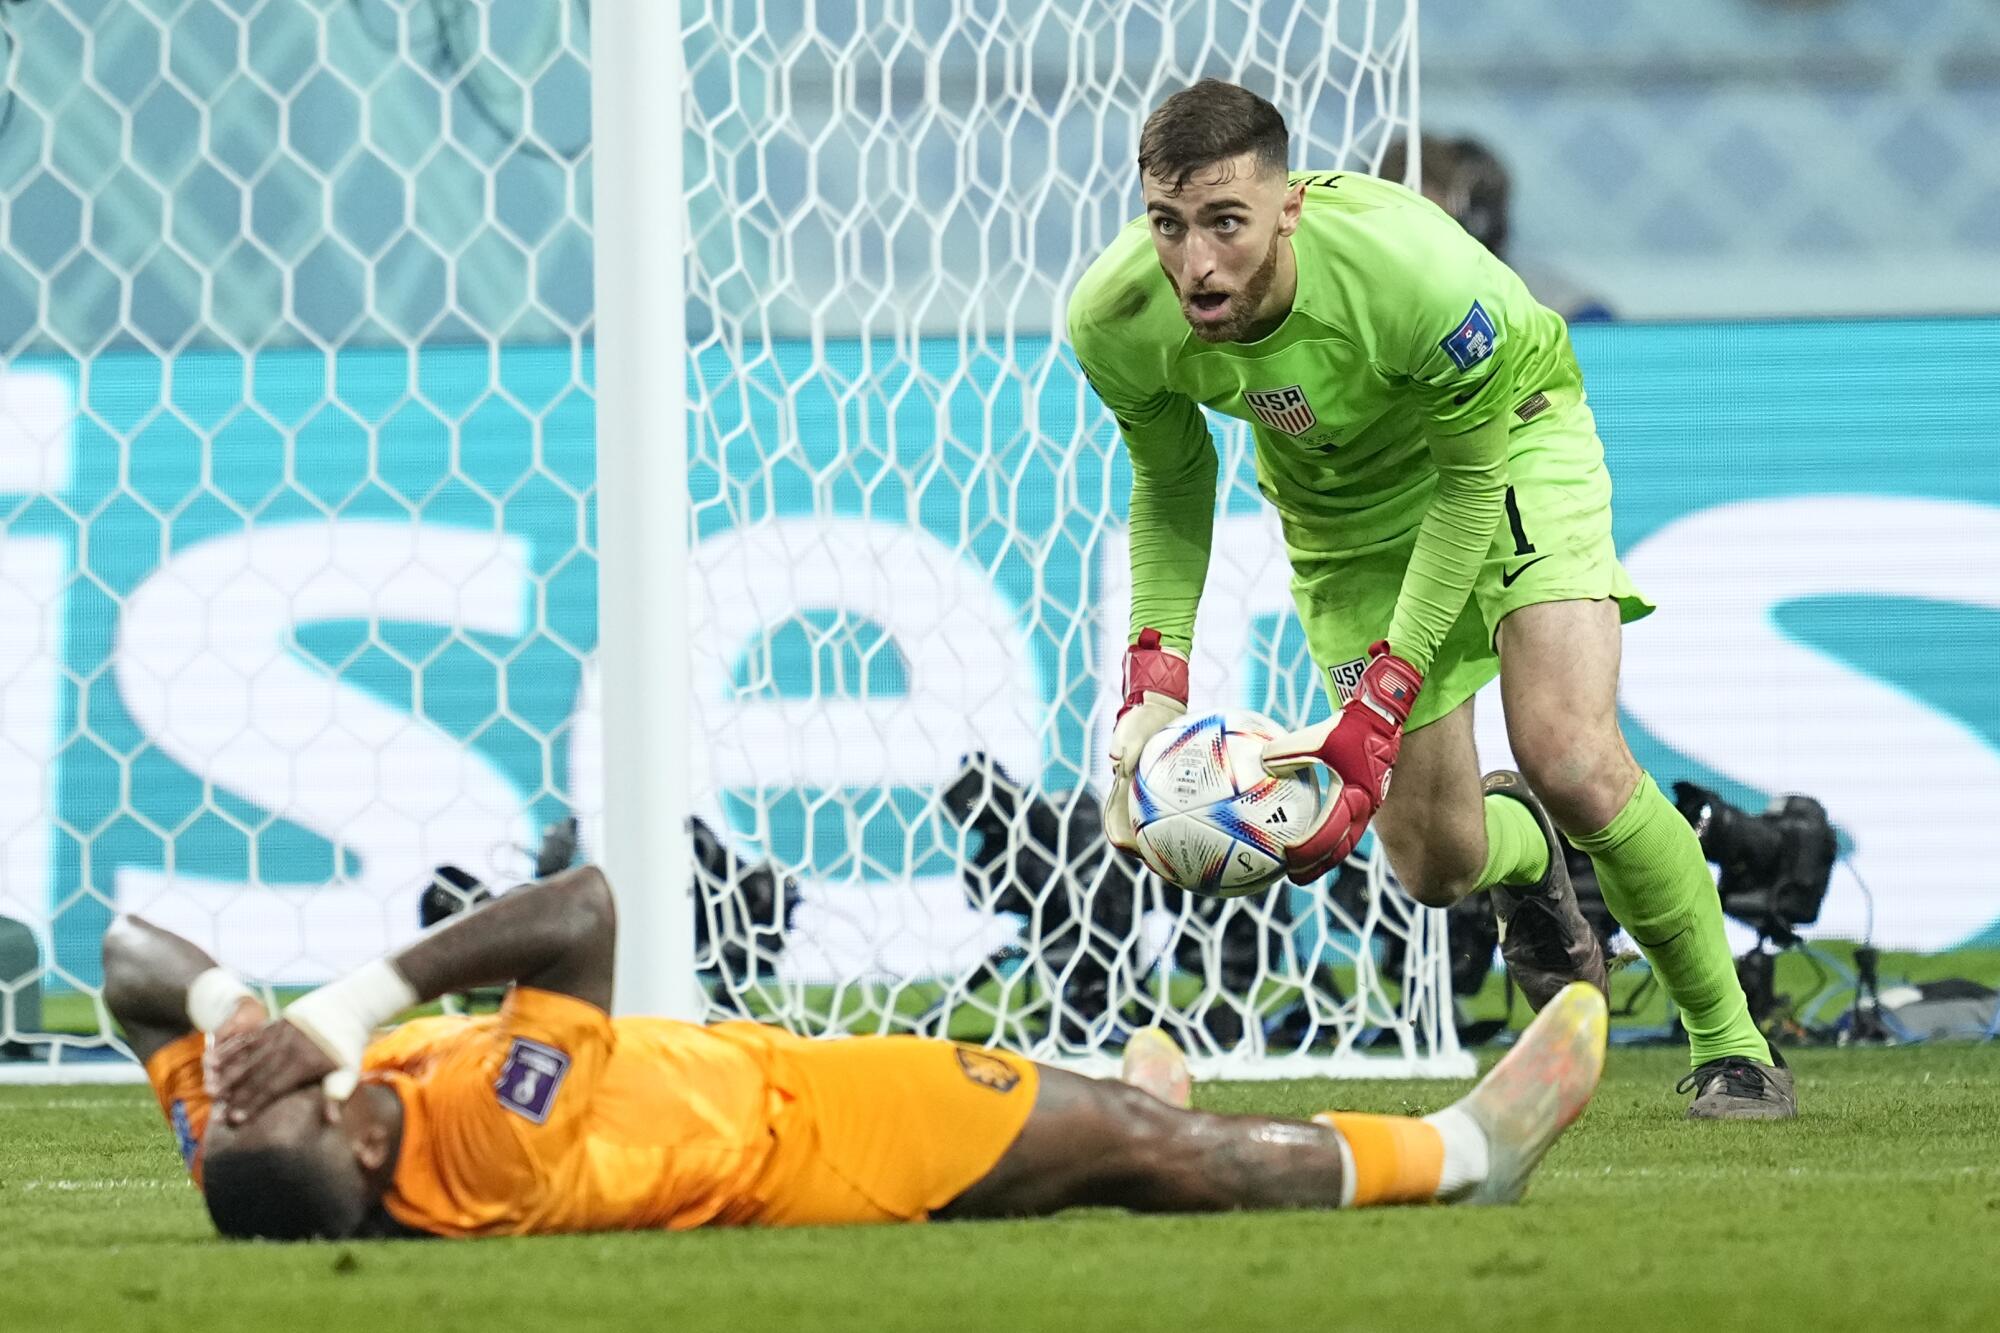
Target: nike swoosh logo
[{"x": 1507, "y": 576}]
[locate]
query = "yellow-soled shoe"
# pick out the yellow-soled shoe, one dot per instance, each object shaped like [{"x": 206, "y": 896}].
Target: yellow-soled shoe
[
  {"x": 1527, "y": 1100},
  {"x": 1154, "y": 1063}
]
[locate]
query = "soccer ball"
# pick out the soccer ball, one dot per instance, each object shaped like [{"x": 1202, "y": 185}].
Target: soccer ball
[{"x": 1209, "y": 818}]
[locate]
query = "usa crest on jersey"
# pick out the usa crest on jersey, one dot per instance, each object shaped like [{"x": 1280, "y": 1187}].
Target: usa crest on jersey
[
  {"x": 1282, "y": 409},
  {"x": 1345, "y": 679}
]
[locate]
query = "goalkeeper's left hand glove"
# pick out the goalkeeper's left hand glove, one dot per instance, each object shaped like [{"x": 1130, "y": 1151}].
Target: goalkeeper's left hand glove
[
  {"x": 1359, "y": 744},
  {"x": 1156, "y": 691}
]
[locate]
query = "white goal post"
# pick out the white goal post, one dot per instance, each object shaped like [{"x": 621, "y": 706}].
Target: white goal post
[
  {"x": 399, "y": 459},
  {"x": 640, "y": 230}
]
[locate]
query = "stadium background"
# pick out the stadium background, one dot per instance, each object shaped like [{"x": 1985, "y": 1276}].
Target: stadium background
[{"x": 1823, "y": 486}]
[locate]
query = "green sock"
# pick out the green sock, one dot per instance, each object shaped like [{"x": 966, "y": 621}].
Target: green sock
[
  {"x": 1516, "y": 851},
  {"x": 1657, "y": 884}
]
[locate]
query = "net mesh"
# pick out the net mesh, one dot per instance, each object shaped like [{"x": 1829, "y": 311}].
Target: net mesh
[{"x": 296, "y": 298}]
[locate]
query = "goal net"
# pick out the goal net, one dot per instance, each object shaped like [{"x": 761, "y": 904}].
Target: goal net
[{"x": 296, "y": 462}]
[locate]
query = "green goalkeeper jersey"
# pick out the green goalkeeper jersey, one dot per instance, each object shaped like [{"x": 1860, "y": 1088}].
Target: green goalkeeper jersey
[{"x": 1379, "y": 406}]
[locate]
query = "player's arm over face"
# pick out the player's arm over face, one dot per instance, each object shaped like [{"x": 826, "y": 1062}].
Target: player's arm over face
[
  {"x": 559, "y": 935},
  {"x": 151, "y": 979},
  {"x": 1174, "y": 469},
  {"x": 147, "y": 972},
  {"x": 556, "y": 935}
]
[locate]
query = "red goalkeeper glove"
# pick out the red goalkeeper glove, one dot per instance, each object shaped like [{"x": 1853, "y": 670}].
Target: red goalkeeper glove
[
  {"x": 1359, "y": 744},
  {"x": 1156, "y": 691}
]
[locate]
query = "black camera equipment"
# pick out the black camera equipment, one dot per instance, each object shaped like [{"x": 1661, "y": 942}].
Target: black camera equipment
[
  {"x": 1050, "y": 866},
  {"x": 1045, "y": 860},
  {"x": 1775, "y": 870},
  {"x": 1472, "y": 927},
  {"x": 1775, "y": 866},
  {"x": 748, "y": 906}
]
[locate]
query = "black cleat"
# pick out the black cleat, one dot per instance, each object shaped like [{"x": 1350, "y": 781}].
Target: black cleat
[
  {"x": 1543, "y": 937},
  {"x": 1736, "y": 1087}
]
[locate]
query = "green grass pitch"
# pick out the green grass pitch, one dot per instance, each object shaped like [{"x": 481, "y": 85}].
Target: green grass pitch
[{"x": 1880, "y": 1208}]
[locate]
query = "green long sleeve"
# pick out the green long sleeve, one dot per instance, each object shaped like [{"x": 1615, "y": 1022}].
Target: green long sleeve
[
  {"x": 1173, "y": 522},
  {"x": 1453, "y": 539},
  {"x": 1174, "y": 467}
]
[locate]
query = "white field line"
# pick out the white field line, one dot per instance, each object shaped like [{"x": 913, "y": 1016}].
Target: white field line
[
  {"x": 1699, "y": 1173},
  {"x": 95, "y": 1184},
  {"x": 74, "y": 1074},
  {"x": 71, "y": 1104}
]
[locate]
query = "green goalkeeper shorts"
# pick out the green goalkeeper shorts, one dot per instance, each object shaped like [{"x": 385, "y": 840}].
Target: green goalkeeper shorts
[{"x": 1554, "y": 545}]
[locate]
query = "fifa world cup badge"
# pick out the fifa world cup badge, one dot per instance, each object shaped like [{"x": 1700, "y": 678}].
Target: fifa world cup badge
[{"x": 529, "y": 1079}]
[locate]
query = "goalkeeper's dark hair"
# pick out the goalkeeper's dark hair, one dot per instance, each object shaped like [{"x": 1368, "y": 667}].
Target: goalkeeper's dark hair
[
  {"x": 1209, "y": 123},
  {"x": 275, "y": 1193}
]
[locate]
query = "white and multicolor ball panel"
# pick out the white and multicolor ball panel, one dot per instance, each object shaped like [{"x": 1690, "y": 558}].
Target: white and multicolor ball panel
[{"x": 1209, "y": 818}]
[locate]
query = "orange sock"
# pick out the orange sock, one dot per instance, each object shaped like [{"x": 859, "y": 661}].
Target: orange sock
[{"x": 1396, "y": 1159}]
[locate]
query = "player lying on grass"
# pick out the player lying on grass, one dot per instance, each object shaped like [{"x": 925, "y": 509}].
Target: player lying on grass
[
  {"x": 550, "y": 1116},
  {"x": 1420, "y": 428}
]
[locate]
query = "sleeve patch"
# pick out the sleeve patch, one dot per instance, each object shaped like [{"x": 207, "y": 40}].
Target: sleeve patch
[
  {"x": 988, "y": 1071},
  {"x": 1473, "y": 342},
  {"x": 528, "y": 1081}
]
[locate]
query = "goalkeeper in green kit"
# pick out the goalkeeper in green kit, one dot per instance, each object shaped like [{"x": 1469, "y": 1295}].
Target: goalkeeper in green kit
[{"x": 1421, "y": 430}]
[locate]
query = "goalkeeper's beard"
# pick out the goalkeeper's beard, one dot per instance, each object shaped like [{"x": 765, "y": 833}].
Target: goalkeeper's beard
[{"x": 1245, "y": 303}]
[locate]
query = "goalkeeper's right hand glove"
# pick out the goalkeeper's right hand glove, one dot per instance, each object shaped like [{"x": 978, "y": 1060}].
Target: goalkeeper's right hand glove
[
  {"x": 1156, "y": 693},
  {"x": 1360, "y": 744}
]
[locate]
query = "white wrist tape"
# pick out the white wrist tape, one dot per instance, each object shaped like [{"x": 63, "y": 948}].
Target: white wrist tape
[
  {"x": 342, "y": 1015},
  {"x": 213, "y": 996}
]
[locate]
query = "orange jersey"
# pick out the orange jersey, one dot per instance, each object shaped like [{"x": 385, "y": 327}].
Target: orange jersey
[
  {"x": 550, "y": 1116},
  {"x": 175, "y": 1073}
]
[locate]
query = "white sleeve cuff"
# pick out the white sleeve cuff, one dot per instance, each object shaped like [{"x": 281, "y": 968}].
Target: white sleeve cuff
[{"x": 213, "y": 996}]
